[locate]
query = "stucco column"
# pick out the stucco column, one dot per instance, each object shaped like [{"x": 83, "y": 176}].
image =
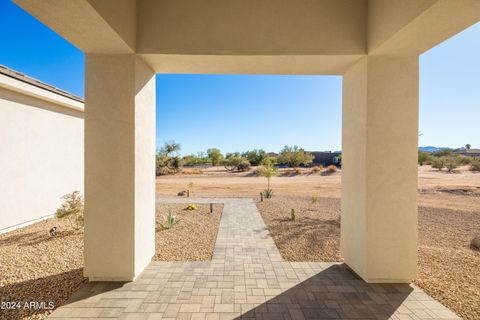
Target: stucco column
[
  {"x": 119, "y": 167},
  {"x": 379, "y": 168}
]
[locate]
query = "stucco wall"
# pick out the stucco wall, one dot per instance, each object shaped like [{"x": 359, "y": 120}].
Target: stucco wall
[{"x": 41, "y": 153}]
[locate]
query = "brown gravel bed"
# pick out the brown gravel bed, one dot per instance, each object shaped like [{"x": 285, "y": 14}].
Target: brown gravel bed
[
  {"x": 37, "y": 267},
  {"x": 312, "y": 236},
  {"x": 447, "y": 268},
  {"x": 192, "y": 238}
]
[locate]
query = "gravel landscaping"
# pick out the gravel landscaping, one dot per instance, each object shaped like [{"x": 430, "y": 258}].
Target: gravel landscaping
[
  {"x": 192, "y": 238},
  {"x": 35, "y": 266},
  {"x": 448, "y": 267}
]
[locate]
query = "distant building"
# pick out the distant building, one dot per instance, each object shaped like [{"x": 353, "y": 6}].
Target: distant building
[
  {"x": 325, "y": 158},
  {"x": 475, "y": 153}
]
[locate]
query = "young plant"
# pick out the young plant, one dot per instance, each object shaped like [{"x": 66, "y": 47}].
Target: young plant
[
  {"x": 170, "y": 220},
  {"x": 292, "y": 215},
  {"x": 190, "y": 189},
  {"x": 72, "y": 209},
  {"x": 314, "y": 200},
  {"x": 267, "y": 172},
  {"x": 267, "y": 193}
]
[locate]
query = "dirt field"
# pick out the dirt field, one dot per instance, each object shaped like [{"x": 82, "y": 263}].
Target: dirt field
[
  {"x": 449, "y": 217},
  {"x": 192, "y": 238}
]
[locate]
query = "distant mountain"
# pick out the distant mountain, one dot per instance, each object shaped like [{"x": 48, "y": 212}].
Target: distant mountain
[{"x": 432, "y": 149}]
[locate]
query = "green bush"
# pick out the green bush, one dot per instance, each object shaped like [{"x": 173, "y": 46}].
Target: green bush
[
  {"x": 215, "y": 156},
  {"x": 295, "y": 156},
  {"x": 451, "y": 163},
  {"x": 292, "y": 215},
  {"x": 243, "y": 165},
  {"x": 424, "y": 158},
  {"x": 475, "y": 165},
  {"x": 255, "y": 157},
  {"x": 438, "y": 163}
]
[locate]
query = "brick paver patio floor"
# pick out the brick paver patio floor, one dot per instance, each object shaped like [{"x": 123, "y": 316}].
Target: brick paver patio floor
[{"x": 248, "y": 279}]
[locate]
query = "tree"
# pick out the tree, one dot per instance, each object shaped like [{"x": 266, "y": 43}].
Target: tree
[
  {"x": 215, "y": 155},
  {"x": 468, "y": 146},
  {"x": 255, "y": 157},
  {"x": 267, "y": 172},
  {"x": 232, "y": 160},
  {"x": 168, "y": 159},
  {"x": 423, "y": 157},
  {"x": 295, "y": 156}
]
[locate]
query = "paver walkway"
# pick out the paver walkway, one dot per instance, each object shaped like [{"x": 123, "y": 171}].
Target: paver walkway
[{"x": 248, "y": 279}]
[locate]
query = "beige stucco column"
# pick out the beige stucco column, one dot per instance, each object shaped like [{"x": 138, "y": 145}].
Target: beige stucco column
[
  {"x": 379, "y": 168},
  {"x": 119, "y": 167}
]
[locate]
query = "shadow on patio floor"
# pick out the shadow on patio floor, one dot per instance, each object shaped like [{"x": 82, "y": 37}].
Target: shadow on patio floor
[{"x": 334, "y": 293}]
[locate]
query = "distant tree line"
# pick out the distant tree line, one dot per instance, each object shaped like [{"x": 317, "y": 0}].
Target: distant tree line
[
  {"x": 168, "y": 160},
  {"x": 448, "y": 159}
]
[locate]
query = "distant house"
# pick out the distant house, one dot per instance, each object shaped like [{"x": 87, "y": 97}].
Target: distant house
[
  {"x": 475, "y": 153},
  {"x": 325, "y": 158}
]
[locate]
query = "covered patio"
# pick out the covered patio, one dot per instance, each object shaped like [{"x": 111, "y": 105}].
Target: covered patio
[
  {"x": 248, "y": 279},
  {"x": 373, "y": 44}
]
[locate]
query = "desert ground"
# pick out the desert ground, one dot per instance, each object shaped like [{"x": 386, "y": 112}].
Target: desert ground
[
  {"x": 448, "y": 218},
  {"x": 35, "y": 266}
]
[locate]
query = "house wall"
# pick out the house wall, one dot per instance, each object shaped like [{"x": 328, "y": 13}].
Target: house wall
[{"x": 41, "y": 152}]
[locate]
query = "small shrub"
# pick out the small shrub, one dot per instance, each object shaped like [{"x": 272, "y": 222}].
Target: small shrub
[
  {"x": 475, "y": 165},
  {"x": 464, "y": 161},
  {"x": 332, "y": 168},
  {"x": 192, "y": 171},
  {"x": 243, "y": 165},
  {"x": 191, "y": 207},
  {"x": 163, "y": 171},
  {"x": 314, "y": 200},
  {"x": 451, "y": 163},
  {"x": 170, "y": 220},
  {"x": 438, "y": 163},
  {"x": 292, "y": 215},
  {"x": 317, "y": 169},
  {"x": 190, "y": 188},
  {"x": 267, "y": 193},
  {"x": 424, "y": 158},
  {"x": 72, "y": 209}
]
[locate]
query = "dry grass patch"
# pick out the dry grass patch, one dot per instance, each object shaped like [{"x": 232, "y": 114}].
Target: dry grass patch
[
  {"x": 192, "y": 238},
  {"x": 447, "y": 267},
  {"x": 35, "y": 266}
]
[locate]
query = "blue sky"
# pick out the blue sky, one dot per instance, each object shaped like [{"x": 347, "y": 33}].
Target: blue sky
[{"x": 240, "y": 112}]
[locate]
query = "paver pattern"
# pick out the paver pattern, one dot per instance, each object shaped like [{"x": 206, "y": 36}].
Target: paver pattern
[{"x": 248, "y": 279}]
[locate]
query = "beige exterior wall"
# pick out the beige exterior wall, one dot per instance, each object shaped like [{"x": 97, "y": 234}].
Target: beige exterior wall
[
  {"x": 379, "y": 168},
  {"x": 41, "y": 152},
  {"x": 119, "y": 167}
]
